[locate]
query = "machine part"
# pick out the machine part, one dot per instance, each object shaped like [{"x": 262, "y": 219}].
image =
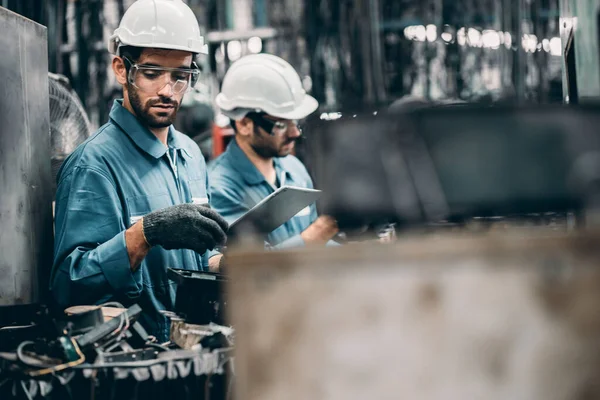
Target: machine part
[
  {"x": 40, "y": 365},
  {"x": 199, "y": 298},
  {"x": 187, "y": 335},
  {"x": 204, "y": 362},
  {"x": 204, "y": 374},
  {"x": 26, "y": 247},
  {"x": 108, "y": 331},
  {"x": 139, "y": 337},
  {"x": 128, "y": 356},
  {"x": 69, "y": 122},
  {"x": 85, "y": 321},
  {"x": 580, "y": 45},
  {"x": 23, "y": 314},
  {"x": 109, "y": 310},
  {"x": 11, "y": 336},
  {"x": 34, "y": 362},
  {"x": 214, "y": 341},
  {"x": 455, "y": 163},
  {"x": 69, "y": 350}
]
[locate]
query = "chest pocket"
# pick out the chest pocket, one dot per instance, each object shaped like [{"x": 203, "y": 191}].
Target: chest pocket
[
  {"x": 138, "y": 206},
  {"x": 197, "y": 192}
]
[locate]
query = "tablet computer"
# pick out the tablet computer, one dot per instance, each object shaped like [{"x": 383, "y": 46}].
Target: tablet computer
[{"x": 275, "y": 209}]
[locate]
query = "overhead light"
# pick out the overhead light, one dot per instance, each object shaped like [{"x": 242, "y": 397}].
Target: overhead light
[
  {"x": 490, "y": 39},
  {"x": 234, "y": 50},
  {"x": 507, "y": 40},
  {"x": 431, "y": 33},
  {"x": 555, "y": 46},
  {"x": 529, "y": 43},
  {"x": 332, "y": 116},
  {"x": 474, "y": 37},
  {"x": 255, "y": 45},
  {"x": 461, "y": 37},
  {"x": 420, "y": 33},
  {"x": 546, "y": 45}
]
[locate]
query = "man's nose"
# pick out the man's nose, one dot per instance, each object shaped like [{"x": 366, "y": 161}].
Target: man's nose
[
  {"x": 294, "y": 131},
  {"x": 167, "y": 90}
]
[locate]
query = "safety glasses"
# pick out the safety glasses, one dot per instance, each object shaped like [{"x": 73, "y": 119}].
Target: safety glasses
[
  {"x": 152, "y": 79},
  {"x": 272, "y": 127}
]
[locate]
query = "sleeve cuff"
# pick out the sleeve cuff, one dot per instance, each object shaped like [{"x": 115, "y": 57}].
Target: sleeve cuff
[
  {"x": 211, "y": 253},
  {"x": 207, "y": 256},
  {"x": 294, "y": 241},
  {"x": 114, "y": 261}
]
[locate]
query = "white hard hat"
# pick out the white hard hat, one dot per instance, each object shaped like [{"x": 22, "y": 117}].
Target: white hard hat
[
  {"x": 264, "y": 83},
  {"x": 160, "y": 24}
]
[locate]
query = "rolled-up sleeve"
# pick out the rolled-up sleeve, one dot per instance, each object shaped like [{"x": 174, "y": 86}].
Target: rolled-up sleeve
[{"x": 91, "y": 262}]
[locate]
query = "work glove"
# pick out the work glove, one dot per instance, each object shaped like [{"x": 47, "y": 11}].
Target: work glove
[{"x": 185, "y": 226}]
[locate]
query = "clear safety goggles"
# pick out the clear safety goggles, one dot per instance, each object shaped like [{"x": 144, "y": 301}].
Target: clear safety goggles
[
  {"x": 152, "y": 79},
  {"x": 272, "y": 127}
]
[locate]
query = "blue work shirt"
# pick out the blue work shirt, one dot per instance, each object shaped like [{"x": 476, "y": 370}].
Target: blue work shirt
[
  {"x": 109, "y": 182},
  {"x": 236, "y": 185}
]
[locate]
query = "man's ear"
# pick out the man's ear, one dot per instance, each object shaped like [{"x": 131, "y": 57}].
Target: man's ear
[
  {"x": 118, "y": 66},
  {"x": 244, "y": 126}
]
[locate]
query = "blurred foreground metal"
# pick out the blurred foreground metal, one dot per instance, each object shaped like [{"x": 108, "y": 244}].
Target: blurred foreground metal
[
  {"x": 457, "y": 162},
  {"x": 438, "y": 318},
  {"x": 25, "y": 175}
]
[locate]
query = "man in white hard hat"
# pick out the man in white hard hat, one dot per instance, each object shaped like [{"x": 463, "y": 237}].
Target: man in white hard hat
[
  {"x": 132, "y": 200},
  {"x": 263, "y": 96}
]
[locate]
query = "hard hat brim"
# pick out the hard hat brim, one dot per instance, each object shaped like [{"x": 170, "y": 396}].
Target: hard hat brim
[
  {"x": 113, "y": 47},
  {"x": 308, "y": 106}
]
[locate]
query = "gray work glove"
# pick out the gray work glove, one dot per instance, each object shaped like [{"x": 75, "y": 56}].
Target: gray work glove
[{"x": 185, "y": 226}]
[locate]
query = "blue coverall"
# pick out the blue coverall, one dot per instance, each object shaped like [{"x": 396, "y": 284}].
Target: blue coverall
[
  {"x": 236, "y": 186},
  {"x": 117, "y": 176}
]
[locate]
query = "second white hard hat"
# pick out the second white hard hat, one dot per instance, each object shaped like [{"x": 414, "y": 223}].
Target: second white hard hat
[
  {"x": 160, "y": 24},
  {"x": 264, "y": 83}
]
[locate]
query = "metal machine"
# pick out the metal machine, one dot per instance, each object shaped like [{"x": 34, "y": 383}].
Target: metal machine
[
  {"x": 26, "y": 238},
  {"x": 580, "y": 36},
  {"x": 451, "y": 164}
]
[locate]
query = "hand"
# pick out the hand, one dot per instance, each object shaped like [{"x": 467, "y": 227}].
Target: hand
[
  {"x": 185, "y": 226},
  {"x": 215, "y": 263},
  {"x": 321, "y": 231}
]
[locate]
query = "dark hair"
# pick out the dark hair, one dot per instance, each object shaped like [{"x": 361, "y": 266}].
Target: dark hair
[
  {"x": 132, "y": 53},
  {"x": 252, "y": 115},
  {"x": 232, "y": 123}
]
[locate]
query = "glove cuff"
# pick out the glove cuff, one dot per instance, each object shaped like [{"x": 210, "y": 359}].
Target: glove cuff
[
  {"x": 144, "y": 234},
  {"x": 151, "y": 228}
]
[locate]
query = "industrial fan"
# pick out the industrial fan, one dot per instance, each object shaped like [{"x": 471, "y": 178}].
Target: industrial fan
[{"x": 69, "y": 123}]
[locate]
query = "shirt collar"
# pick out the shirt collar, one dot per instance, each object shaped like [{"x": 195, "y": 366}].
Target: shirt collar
[
  {"x": 175, "y": 141},
  {"x": 244, "y": 166},
  {"x": 141, "y": 135}
]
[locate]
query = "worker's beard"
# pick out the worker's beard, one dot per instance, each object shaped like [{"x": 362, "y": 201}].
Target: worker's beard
[
  {"x": 265, "y": 146},
  {"x": 147, "y": 115}
]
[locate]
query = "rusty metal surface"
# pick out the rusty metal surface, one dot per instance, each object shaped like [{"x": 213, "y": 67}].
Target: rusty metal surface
[
  {"x": 25, "y": 196},
  {"x": 431, "y": 318}
]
